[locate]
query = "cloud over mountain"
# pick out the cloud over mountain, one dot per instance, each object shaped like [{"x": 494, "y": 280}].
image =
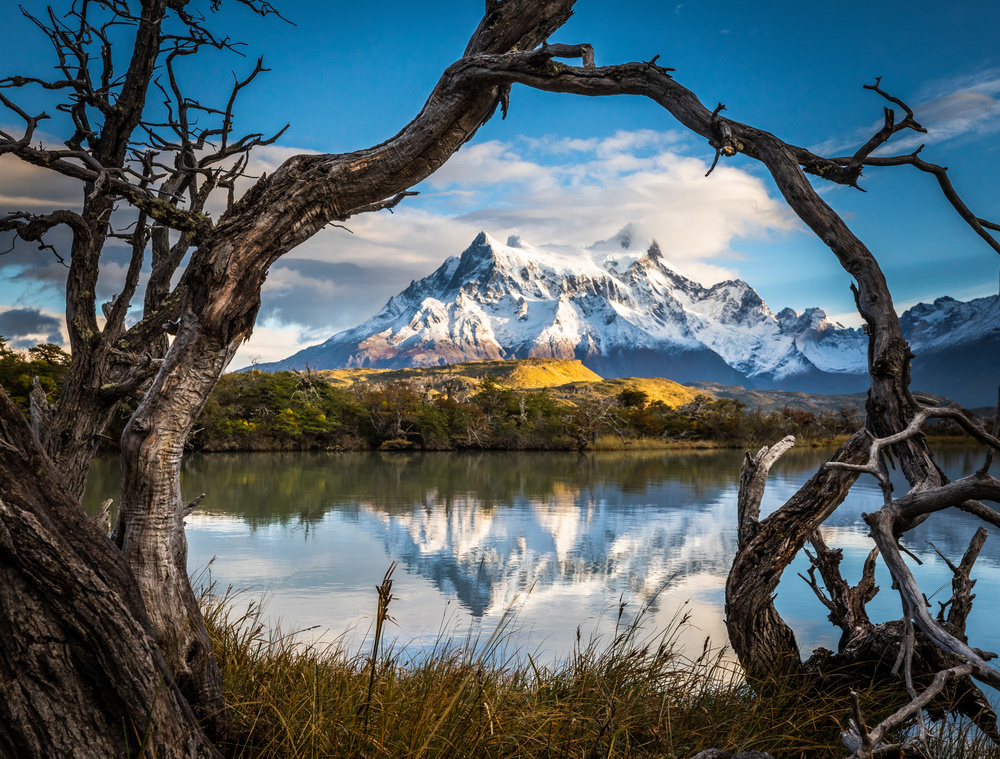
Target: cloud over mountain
[{"x": 621, "y": 308}]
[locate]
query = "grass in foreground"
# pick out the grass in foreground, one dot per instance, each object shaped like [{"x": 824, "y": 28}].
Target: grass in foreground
[{"x": 631, "y": 697}]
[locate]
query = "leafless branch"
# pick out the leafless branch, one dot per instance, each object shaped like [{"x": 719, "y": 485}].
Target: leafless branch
[
  {"x": 959, "y": 416},
  {"x": 32, "y": 227},
  {"x": 753, "y": 478},
  {"x": 961, "y": 584},
  {"x": 940, "y": 173},
  {"x": 845, "y": 603},
  {"x": 866, "y": 744},
  {"x": 193, "y": 505},
  {"x": 880, "y": 138},
  {"x": 883, "y": 526},
  {"x": 120, "y": 304}
]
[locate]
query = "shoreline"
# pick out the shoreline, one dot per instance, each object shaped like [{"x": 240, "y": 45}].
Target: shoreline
[{"x": 602, "y": 444}]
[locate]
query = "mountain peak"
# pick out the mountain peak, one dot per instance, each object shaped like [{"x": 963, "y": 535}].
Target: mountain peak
[
  {"x": 623, "y": 239},
  {"x": 627, "y": 313},
  {"x": 622, "y": 312},
  {"x": 481, "y": 247},
  {"x": 474, "y": 261}
]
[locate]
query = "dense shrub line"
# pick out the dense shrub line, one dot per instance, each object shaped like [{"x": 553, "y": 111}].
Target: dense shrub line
[
  {"x": 257, "y": 411},
  {"x": 297, "y": 410},
  {"x": 48, "y": 362}
]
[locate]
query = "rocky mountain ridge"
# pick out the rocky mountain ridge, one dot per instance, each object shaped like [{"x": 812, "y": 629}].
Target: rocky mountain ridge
[{"x": 626, "y": 313}]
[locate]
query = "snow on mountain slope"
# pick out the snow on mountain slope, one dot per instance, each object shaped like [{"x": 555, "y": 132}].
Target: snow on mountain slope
[
  {"x": 948, "y": 322},
  {"x": 620, "y": 311},
  {"x": 626, "y": 312}
]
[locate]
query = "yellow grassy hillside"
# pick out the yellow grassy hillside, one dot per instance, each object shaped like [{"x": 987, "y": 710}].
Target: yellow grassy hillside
[
  {"x": 526, "y": 374},
  {"x": 669, "y": 392},
  {"x": 568, "y": 379},
  {"x": 536, "y": 373}
]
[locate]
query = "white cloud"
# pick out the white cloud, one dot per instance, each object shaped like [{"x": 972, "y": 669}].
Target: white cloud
[
  {"x": 631, "y": 177},
  {"x": 964, "y": 108},
  {"x": 950, "y": 109},
  {"x": 549, "y": 191},
  {"x": 489, "y": 163}
]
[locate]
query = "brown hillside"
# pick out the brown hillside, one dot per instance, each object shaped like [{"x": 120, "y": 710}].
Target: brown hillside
[
  {"x": 568, "y": 379},
  {"x": 669, "y": 392},
  {"x": 526, "y": 374}
]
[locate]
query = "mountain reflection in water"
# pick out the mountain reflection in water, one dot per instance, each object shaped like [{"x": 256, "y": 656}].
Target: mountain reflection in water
[{"x": 564, "y": 538}]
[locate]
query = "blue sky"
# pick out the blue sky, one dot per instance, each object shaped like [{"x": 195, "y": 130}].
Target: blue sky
[{"x": 570, "y": 171}]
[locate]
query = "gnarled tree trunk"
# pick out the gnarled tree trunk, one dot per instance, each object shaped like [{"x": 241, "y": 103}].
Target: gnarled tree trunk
[
  {"x": 221, "y": 289},
  {"x": 81, "y": 674}
]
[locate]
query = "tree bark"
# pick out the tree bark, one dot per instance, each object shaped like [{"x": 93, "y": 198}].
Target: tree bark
[
  {"x": 218, "y": 299},
  {"x": 80, "y": 674},
  {"x": 758, "y": 634},
  {"x": 221, "y": 289},
  {"x": 150, "y": 528}
]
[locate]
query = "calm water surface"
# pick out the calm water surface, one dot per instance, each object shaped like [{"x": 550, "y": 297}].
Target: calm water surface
[{"x": 563, "y": 539}]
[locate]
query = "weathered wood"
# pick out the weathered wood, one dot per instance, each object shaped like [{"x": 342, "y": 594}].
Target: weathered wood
[
  {"x": 753, "y": 478},
  {"x": 758, "y": 634},
  {"x": 847, "y": 604},
  {"x": 882, "y": 523},
  {"x": 80, "y": 674},
  {"x": 962, "y": 584},
  {"x": 216, "y": 303}
]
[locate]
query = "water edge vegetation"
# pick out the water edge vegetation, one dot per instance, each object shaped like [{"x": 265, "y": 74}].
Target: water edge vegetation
[{"x": 632, "y": 695}]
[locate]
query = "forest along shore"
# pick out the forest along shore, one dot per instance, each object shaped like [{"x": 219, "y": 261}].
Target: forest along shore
[
  {"x": 301, "y": 411},
  {"x": 527, "y": 404}
]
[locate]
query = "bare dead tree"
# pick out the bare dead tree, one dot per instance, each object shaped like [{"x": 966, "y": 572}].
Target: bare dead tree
[
  {"x": 174, "y": 153},
  {"x": 215, "y": 306}
]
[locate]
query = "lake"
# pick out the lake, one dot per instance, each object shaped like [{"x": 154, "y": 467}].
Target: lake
[{"x": 561, "y": 539}]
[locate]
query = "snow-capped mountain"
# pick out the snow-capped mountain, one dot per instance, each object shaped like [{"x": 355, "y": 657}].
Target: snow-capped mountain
[
  {"x": 626, "y": 313},
  {"x": 957, "y": 347},
  {"x": 622, "y": 313}
]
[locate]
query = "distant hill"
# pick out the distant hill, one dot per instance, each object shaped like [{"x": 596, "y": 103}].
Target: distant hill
[
  {"x": 669, "y": 392},
  {"x": 570, "y": 379},
  {"x": 566, "y": 378},
  {"x": 622, "y": 311},
  {"x": 527, "y": 374},
  {"x": 769, "y": 401}
]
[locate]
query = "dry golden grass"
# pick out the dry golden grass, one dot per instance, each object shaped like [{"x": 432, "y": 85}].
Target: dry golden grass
[
  {"x": 671, "y": 393},
  {"x": 567, "y": 379},
  {"x": 632, "y": 695},
  {"x": 534, "y": 374},
  {"x": 524, "y": 374}
]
